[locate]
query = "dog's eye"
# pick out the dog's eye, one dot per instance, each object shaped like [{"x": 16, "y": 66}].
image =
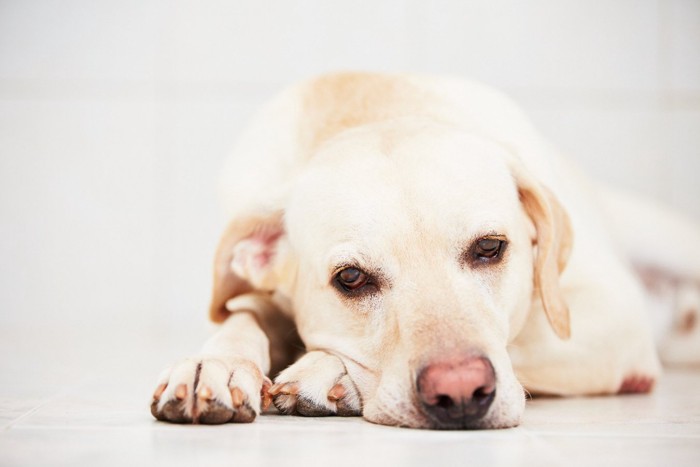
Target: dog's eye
[
  {"x": 487, "y": 249},
  {"x": 351, "y": 279}
]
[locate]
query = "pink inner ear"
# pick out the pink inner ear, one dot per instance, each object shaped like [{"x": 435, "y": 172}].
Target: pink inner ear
[{"x": 252, "y": 256}]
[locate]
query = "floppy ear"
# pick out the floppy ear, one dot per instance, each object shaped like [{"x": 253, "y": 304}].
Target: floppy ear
[
  {"x": 554, "y": 241},
  {"x": 244, "y": 260}
]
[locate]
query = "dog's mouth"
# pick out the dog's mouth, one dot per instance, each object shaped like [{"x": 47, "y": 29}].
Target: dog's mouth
[{"x": 410, "y": 415}]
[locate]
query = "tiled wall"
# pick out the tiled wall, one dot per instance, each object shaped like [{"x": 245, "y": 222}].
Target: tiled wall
[{"x": 115, "y": 116}]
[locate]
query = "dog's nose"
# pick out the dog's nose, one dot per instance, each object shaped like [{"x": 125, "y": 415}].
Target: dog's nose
[{"x": 457, "y": 391}]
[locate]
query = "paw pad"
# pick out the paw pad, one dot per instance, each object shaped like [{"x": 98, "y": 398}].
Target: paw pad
[{"x": 636, "y": 384}]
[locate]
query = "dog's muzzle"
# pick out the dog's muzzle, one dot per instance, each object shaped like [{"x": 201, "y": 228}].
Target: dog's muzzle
[{"x": 456, "y": 393}]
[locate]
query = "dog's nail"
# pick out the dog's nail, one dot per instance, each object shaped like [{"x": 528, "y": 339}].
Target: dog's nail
[
  {"x": 265, "y": 393},
  {"x": 159, "y": 391},
  {"x": 181, "y": 392},
  {"x": 283, "y": 388},
  {"x": 205, "y": 393},
  {"x": 266, "y": 400},
  {"x": 336, "y": 393},
  {"x": 237, "y": 397}
]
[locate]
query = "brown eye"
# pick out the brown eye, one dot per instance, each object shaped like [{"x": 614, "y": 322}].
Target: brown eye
[
  {"x": 487, "y": 249},
  {"x": 351, "y": 279}
]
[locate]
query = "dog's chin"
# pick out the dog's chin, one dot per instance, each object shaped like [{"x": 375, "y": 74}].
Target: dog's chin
[{"x": 415, "y": 418}]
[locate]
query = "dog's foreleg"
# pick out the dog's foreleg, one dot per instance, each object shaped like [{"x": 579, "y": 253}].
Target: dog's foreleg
[{"x": 226, "y": 382}]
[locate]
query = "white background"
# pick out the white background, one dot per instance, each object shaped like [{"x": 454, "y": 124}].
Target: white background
[{"x": 115, "y": 117}]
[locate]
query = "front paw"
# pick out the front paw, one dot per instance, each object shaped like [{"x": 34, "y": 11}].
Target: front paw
[
  {"x": 210, "y": 391},
  {"x": 316, "y": 385}
]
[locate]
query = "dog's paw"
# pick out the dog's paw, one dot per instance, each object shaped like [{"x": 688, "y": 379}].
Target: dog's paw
[
  {"x": 210, "y": 391},
  {"x": 316, "y": 385}
]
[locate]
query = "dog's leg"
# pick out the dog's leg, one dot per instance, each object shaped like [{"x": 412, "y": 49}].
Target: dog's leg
[
  {"x": 611, "y": 349},
  {"x": 316, "y": 385},
  {"x": 226, "y": 382},
  {"x": 680, "y": 345},
  {"x": 664, "y": 247}
]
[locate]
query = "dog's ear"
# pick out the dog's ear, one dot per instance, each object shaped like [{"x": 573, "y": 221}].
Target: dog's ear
[
  {"x": 554, "y": 240},
  {"x": 245, "y": 259}
]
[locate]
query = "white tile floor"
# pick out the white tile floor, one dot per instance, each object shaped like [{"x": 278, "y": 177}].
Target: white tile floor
[{"x": 72, "y": 397}]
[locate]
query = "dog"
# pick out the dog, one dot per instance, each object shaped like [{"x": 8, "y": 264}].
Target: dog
[{"x": 409, "y": 249}]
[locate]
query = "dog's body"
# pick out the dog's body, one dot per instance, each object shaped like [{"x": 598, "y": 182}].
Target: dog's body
[{"x": 435, "y": 256}]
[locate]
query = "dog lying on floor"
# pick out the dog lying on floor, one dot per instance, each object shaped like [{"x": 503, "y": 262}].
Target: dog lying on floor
[{"x": 434, "y": 256}]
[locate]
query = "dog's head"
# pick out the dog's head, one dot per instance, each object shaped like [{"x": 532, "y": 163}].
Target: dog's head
[{"x": 413, "y": 252}]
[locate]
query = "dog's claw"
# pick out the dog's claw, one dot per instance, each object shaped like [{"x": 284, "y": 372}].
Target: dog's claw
[
  {"x": 181, "y": 392},
  {"x": 159, "y": 391},
  {"x": 336, "y": 393},
  {"x": 237, "y": 397},
  {"x": 284, "y": 388},
  {"x": 265, "y": 393},
  {"x": 205, "y": 394}
]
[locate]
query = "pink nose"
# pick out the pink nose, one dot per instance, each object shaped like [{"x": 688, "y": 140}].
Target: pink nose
[{"x": 457, "y": 392}]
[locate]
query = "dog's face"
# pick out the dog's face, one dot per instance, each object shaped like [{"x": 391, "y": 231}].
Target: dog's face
[{"x": 413, "y": 251}]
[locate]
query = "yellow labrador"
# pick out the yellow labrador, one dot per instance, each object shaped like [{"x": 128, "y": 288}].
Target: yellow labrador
[{"x": 435, "y": 256}]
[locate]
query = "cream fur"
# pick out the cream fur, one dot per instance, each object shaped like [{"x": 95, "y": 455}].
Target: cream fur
[{"x": 398, "y": 174}]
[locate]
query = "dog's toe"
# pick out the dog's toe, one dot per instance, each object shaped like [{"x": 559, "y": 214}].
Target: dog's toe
[{"x": 346, "y": 397}]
